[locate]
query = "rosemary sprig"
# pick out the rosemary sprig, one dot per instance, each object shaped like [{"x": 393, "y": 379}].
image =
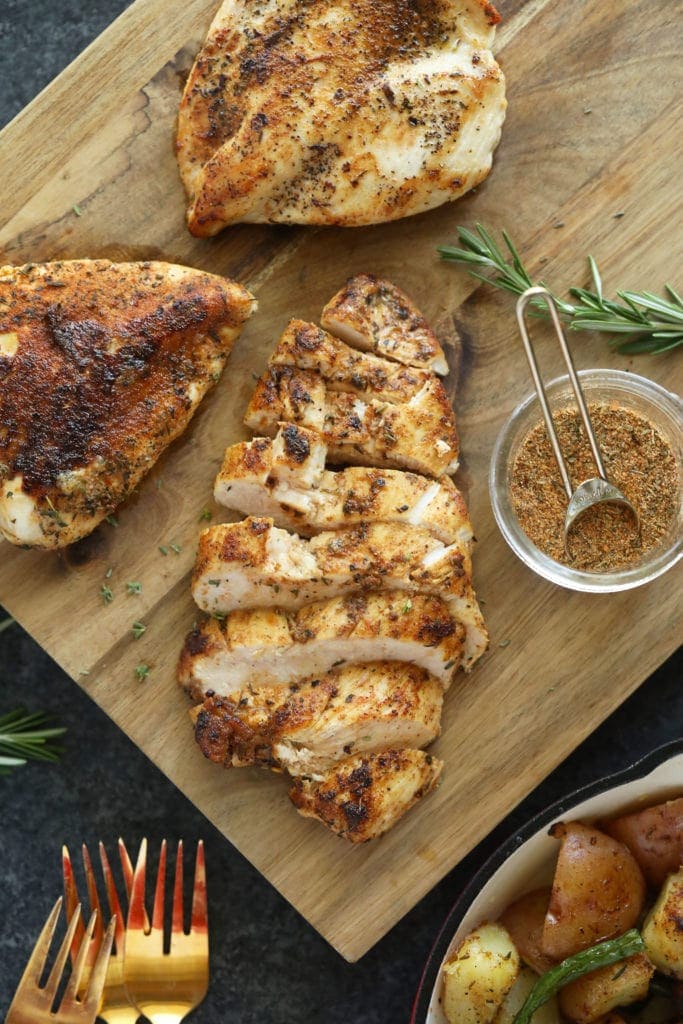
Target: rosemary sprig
[
  {"x": 25, "y": 736},
  {"x": 654, "y": 323}
]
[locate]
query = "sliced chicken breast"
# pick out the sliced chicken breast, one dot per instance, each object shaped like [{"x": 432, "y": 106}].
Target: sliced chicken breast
[
  {"x": 270, "y": 647},
  {"x": 348, "y": 113},
  {"x": 418, "y": 435},
  {"x": 376, "y": 316},
  {"x": 285, "y": 478},
  {"x": 307, "y": 727},
  {"x": 363, "y": 796},
  {"x": 102, "y": 365},
  {"x": 254, "y": 564},
  {"x": 346, "y": 369}
]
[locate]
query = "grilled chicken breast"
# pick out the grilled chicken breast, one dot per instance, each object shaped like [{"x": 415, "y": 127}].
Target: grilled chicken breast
[
  {"x": 348, "y": 113},
  {"x": 102, "y": 365},
  {"x": 376, "y": 316},
  {"x": 285, "y": 478},
  {"x": 363, "y": 796},
  {"x": 418, "y": 434},
  {"x": 252, "y": 563},
  {"x": 346, "y": 369},
  {"x": 307, "y": 727},
  {"x": 270, "y": 647}
]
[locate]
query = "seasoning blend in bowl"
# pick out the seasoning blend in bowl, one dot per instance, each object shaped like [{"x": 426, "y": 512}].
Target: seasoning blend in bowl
[{"x": 639, "y": 428}]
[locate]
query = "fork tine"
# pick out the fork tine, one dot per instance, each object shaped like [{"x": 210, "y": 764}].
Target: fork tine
[
  {"x": 77, "y": 972},
  {"x": 177, "y": 923},
  {"x": 126, "y": 866},
  {"x": 98, "y": 976},
  {"x": 72, "y": 900},
  {"x": 112, "y": 898},
  {"x": 94, "y": 898},
  {"x": 158, "y": 911},
  {"x": 36, "y": 963},
  {"x": 199, "y": 922},
  {"x": 58, "y": 966},
  {"x": 136, "y": 906}
]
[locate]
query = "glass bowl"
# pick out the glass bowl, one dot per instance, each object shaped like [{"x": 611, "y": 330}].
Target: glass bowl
[{"x": 661, "y": 407}]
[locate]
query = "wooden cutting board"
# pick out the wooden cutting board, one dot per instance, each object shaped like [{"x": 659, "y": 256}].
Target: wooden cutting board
[{"x": 588, "y": 163}]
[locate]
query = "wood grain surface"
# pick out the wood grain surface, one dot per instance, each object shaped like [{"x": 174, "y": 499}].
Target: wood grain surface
[{"x": 589, "y": 162}]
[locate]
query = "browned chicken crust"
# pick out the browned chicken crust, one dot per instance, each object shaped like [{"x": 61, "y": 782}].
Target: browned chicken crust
[
  {"x": 101, "y": 366},
  {"x": 309, "y": 726},
  {"x": 375, "y": 315},
  {"x": 361, "y": 797},
  {"x": 348, "y": 113}
]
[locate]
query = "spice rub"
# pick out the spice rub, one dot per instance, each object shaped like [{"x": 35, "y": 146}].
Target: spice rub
[{"x": 638, "y": 460}]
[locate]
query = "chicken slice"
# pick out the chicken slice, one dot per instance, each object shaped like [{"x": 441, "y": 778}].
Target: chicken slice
[
  {"x": 270, "y": 647},
  {"x": 376, "y": 316},
  {"x": 307, "y": 727},
  {"x": 348, "y": 113},
  {"x": 285, "y": 478},
  {"x": 364, "y": 796},
  {"x": 418, "y": 435},
  {"x": 254, "y": 564},
  {"x": 346, "y": 369},
  {"x": 102, "y": 365}
]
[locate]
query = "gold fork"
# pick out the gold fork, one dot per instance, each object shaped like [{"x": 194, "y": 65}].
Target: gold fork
[
  {"x": 32, "y": 1003},
  {"x": 167, "y": 986},
  {"x": 116, "y": 1007}
]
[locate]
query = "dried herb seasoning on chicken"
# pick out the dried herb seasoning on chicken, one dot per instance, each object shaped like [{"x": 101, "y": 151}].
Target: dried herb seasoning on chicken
[
  {"x": 102, "y": 365},
  {"x": 353, "y": 112},
  {"x": 330, "y": 648}
]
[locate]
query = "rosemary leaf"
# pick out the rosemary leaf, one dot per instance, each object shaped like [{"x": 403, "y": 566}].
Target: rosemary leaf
[
  {"x": 654, "y": 322},
  {"x": 25, "y": 736}
]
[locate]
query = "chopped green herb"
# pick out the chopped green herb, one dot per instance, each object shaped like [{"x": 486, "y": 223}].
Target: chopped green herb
[
  {"x": 176, "y": 548},
  {"x": 133, "y": 587},
  {"x": 108, "y": 573},
  {"x": 84, "y": 672},
  {"x": 504, "y": 643},
  {"x": 205, "y": 513},
  {"x": 138, "y": 628},
  {"x": 6, "y": 623},
  {"x": 112, "y": 520},
  {"x": 141, "y": 671},
  {"x": 164, "y": 550},
  {"x": 214, "y": 583},
  {"x": 220, "y": 616},
  {"x": 449, "y": 664},
  {"x": 52, "y": 513},
  {"x": 106, "y": 594},
  {"x": 77, "y": 210},
  {"x": 407, "y": 606}
]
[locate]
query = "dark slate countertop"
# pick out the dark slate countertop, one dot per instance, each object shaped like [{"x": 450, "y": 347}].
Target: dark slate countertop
[{"x": 268, "y": 965}]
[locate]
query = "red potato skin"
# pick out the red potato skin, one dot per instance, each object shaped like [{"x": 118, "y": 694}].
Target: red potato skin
[
  {"x": 524, "y": 921},
  {"x": 598, "y": 891},
  {"x": 655, "y": 838}
]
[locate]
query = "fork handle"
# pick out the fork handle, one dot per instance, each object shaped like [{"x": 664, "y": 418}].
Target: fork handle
[{"x": 120, "y": 1015}]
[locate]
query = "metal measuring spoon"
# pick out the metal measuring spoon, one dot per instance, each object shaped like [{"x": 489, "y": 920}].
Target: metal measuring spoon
[{"x": 598, "y": 489}]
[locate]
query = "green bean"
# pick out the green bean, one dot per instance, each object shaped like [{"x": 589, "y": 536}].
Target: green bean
[{"x": 602, "y": 955}]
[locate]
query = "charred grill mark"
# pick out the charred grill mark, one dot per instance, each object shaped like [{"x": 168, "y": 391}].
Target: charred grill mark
[{"x": 296, "y": 444}]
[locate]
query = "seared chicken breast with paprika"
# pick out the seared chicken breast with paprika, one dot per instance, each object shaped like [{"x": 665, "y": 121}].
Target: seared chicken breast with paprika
[
  {"x": 253, "y": 563},
  {"x": 347, "y": 113},
  {"x": 305, "y": 728},
  {"x": 271, "y": 647},
  {"x": 285, "y": 478},
  {"x": 346, "y": 369},
  {"x": 375, "y": 316},
  {"x": 363, "y": 796},
  {"x": 419, "y": 434},
  {"x": 102, "y": 365}
]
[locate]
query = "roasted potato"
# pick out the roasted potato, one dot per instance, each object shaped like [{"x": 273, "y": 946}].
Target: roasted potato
[
  {"x": 479, "y": 975},
  {"x": 589, "y": 998},
  {"x": 663, "y": 928},
  {"x": 514, "y": 1000},
  {"x": 654, "y": 836},
  {"x": 598, "y": 891},
  {"x": 524, "y": 920}
]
